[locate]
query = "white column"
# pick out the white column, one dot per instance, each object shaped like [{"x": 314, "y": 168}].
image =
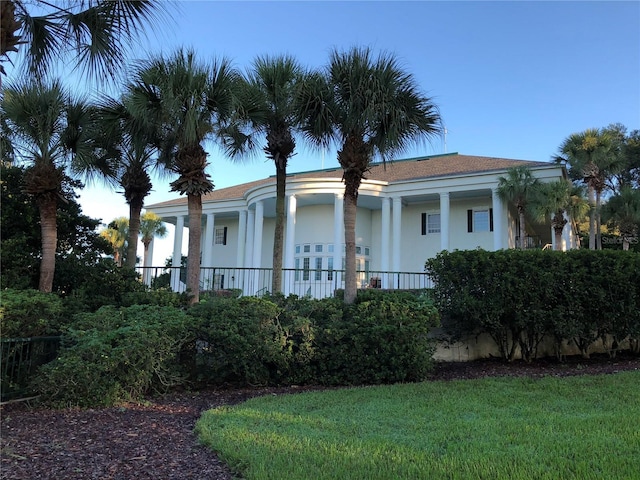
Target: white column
[
  {"x": 385, "y": 227},
  {"x": 247, "y": 282},
  {"x": 397, "y": 233},
  {"x": 288, "y": 278},
  {"x": 148, "y": 262},
  {"x": 242, "y": 233},
  {"x": 338, "y": 237},
  {"x": 251, "y": 225},
  {"x": 444, "y": 220},
  {"x": 208, "y": 241},
  {"x": 289, "y": 245},
  {"x": 177, "y": 255},
  {"x": 498, "y": 218},
  {"x": 567, "y": 237},
  {"x": 257, "y": 239}
]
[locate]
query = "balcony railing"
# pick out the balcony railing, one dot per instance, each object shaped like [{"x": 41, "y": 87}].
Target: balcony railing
[{"x": 315, "y": 283}]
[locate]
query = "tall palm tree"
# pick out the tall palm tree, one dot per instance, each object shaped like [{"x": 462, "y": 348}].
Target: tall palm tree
[
  {"x": 151, "y": 226},
  {"x": 185, "y": 103},
  {"x": 589, "y": 157},
  {"x": 518, "y": 188},
  {"x": 270, "y": 98},
  {"x": 50, "y": 131},
  {"x": 623, "y": 211},
  {"x": 116, "y": 234},
  {"x": 369, "y": 106},
  {"x": 94, "y": 34},
  {"x": 131, "y": 151},
  {"x": 554, "y": 199}
]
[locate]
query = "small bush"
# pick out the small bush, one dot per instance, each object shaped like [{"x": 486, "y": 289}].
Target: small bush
[
  {"x": 30, "y": 313},
  {"x": 239, "y": 340},
  {"x": 382, "y": 338},
  {"x": 115, "y": 355}
]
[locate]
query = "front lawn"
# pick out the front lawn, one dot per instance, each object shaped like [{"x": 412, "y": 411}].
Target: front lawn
[{"x": 497, "y": 428}]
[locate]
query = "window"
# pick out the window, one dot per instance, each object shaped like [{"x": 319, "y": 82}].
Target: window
[
  {"x": 318, "y": 275},
  {"x": 366, "y": 251},
  {"x": 306, "y": 248},
  {"x": 297, "y": 249},
  {"x": 318, "y": 248},
  {"x": 305, "y": 269},
  {"x": 297, "y": 270},
  {"x": 221, "y": 236},
  {"x": 480, "y": 220},
  {"x": 330, "y": 268},
  {"x": 330, "y": 248},
  {"x": 430, "y": 223}
]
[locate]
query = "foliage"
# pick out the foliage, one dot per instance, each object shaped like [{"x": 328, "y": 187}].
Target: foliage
[
  {"x": 117, "y": 233},
  {"x": 494, "y": 428},
  {"x": 238, "y": 340},
  {"x": 115, "y": 355},
  {"x": 29, "y": 313},
  {"x": 518, "y": 297},
  {"x": 180, "y": 103},
  {"x": 519, "y": 189},
  {"x": 96, "y": 35},
  {"x": 368, "y": 106},
  {"x": 382, "y": 338},
  {"x": 79, "y": 247}
]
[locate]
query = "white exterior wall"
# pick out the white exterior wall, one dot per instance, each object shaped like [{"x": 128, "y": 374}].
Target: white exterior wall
[{"x": 460, "y": 238}]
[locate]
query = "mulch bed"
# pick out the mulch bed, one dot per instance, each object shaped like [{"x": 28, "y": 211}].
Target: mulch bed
[{"x": 155, "y": 440}]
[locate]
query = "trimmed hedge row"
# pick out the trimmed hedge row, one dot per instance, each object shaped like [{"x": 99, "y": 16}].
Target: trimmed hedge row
[
  {"x": 119, "y": 354},
  {"x": 519, "y": 297}
]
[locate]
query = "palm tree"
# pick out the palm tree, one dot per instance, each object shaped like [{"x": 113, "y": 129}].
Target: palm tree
[
  {"x": 368, "y": 106},
  {"x": 590, "y": 157},
  {"x": 116, "y": 234},
  {"x": 50, "y": 131},
  {"x": 518, "y": 188},
  {"x": 270, "y": 101},
  {"x": 151, "y": 226},
  {"x": 623, "y": 211},
  {"x": 554, "y": 199},
  {"x": 94, "y": 34},
  {"x": 185, "y": 103},
  {"x": 131, "y": 150}
]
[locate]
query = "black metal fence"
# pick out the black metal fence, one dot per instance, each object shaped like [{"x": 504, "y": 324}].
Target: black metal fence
[
  {"x": 19, "y": 358},
  {"x": 315, "y": 283}
]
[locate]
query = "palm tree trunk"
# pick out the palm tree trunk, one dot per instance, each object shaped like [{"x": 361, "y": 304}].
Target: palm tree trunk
[
  {"x": 558, "y": 223},
  {"x": 49, "y": 230},
  {"x": 598, "y": 221},
  {"x": 135, "y": 208},
  {"x": 350, "y": 207},
  {"x": 592, "y": 217},
  {"x": 523, "y": 231},
  {"x": 278, "y": 234},
  {"x": 194, "y": 203}
]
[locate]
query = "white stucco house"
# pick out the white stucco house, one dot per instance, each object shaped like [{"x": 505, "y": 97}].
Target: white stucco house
[{"x": 408, "y": 211}]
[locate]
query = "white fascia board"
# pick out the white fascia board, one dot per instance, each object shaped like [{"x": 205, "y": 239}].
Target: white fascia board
[{"x": 466, "y": 182}]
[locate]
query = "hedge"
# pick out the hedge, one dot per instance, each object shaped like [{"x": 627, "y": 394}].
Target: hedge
[{"x": 519, "y": 297}]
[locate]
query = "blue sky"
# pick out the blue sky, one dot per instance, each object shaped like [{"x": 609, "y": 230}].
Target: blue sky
[{"x": 511, "y": 79}]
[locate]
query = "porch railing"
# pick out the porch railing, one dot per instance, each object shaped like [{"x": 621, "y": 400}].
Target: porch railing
[{"x": 316, "y": 283}]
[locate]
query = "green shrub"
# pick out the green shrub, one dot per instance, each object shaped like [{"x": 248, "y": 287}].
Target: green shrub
[
  {"x": 115, "y": 355},
  {"x": 29, "y": 313},
  {"x": 382, "y": 338},
  {"x": 239, "y": 341},
  {"x": 518, "y": 297}
]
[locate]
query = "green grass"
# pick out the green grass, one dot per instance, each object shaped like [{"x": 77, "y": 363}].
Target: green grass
[{"x": 501, "y": 428}]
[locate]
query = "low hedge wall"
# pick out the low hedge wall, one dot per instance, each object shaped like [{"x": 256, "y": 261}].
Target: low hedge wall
[{"x": 520, "y": 297}]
